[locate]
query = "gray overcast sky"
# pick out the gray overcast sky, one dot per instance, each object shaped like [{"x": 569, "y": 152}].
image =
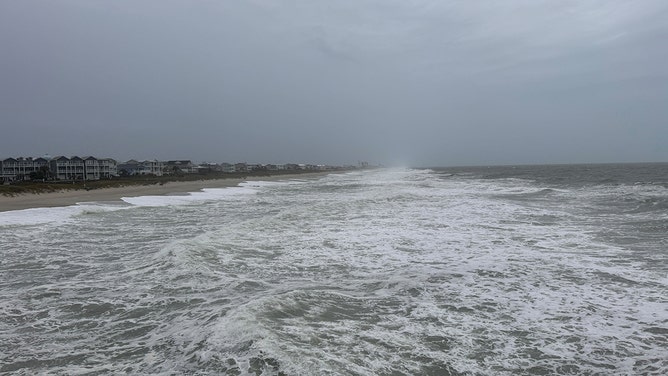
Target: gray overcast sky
[{"x": 415, "y": 82}]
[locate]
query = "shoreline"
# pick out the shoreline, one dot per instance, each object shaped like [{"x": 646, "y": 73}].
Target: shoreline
[{"x": 73, "y": 197}]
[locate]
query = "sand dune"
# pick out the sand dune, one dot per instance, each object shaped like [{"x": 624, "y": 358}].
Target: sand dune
[{"x": 72, "y": 197}]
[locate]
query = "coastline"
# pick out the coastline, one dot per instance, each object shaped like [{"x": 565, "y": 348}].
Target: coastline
[{"x": 72, "y": 197}]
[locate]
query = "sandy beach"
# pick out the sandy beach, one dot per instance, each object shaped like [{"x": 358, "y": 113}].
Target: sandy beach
[{"x": 72, "y": 197}]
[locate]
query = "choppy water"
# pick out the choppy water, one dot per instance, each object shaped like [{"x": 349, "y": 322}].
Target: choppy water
[{"x": 467, "y": 271}]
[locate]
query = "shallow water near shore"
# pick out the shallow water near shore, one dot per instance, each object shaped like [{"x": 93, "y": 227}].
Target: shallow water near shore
[{"x": 535, "y": 270}]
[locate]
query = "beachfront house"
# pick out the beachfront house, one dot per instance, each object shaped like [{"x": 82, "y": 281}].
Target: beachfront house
[
  {"x": 88, "y": 168},
  {"x": 227, "y": 167},
  {"x": 129, "y": 168},
  {"x": 100, "y": 168},
  {"x": 64, "y": 168},
  {"x": 148, "y": 167},
  {"x": 152, "y": 167},
  {"x": 108, "y": 168},
  {"x": 91, "y": 168},
  {"x": 59, "y": 168},
  {"x": 205, "y": 168},
  {"x": 254, "y": 167},
  {"x": 240, "y": 167},
  {"x": 180, "y": 167},
  {"x": 9, "y": 169}
]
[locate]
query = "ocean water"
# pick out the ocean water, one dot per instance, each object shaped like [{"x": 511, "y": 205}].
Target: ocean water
[{"x": 542, "y": 270}]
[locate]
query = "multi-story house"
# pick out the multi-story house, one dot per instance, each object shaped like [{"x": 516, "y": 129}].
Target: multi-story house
[
  {"x": 91, "y": 168},
  {"x": 240, "y": 167},
  {"x": 181, "y": 166},
  {"x": 64, "y": 168},
  {"x": 13, "y": 169},
  {"x": 152, "y": 167},
  {"x": 9, "y": 169},
  {"x": 133, "y": 167},
  {"x": 227, "y": 167},
  {"x": 130, "y": 167},
  {"x": 108, "y": 167},
  {"x": 76, "y": 168}
]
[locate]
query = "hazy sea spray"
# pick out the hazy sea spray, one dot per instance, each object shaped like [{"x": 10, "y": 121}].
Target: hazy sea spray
[{"x": 493, "y": 271}]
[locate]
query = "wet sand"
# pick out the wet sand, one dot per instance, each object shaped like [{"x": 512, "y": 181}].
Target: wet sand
[{"x": 72, "y": 197}]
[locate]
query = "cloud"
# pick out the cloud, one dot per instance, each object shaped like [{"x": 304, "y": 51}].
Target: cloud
[{"x": 476, "y": 82}]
